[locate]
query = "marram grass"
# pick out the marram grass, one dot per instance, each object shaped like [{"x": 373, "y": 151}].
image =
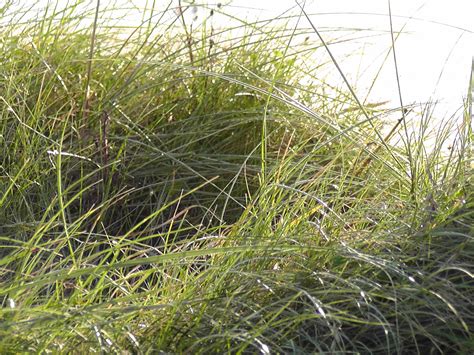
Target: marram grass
[{"x": 174, "y": 190}]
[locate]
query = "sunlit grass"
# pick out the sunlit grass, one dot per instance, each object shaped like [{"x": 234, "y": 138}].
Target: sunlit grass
[{"x": 172, "y": 189}]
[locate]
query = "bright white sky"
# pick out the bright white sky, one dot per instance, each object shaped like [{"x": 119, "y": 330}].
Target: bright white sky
[
  {"x": 427, "y": 50},
  {"x": 437, "y": 44}
]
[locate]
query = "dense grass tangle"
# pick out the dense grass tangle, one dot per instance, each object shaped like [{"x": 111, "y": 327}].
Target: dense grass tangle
[{"x": 194, "y": 188}]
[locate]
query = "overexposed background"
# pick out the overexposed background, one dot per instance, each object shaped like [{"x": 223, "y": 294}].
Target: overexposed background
[{"x": 434, "y": 52}]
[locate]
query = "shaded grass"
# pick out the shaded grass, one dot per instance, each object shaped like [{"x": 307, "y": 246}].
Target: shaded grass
[{"x": 153, "y": 200}]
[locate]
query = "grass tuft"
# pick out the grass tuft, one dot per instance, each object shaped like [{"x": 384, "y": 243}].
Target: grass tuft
[{"x": 194, "y": 189}]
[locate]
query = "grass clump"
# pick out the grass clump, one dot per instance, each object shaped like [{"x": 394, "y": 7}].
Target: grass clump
[{"x": 170, "y": 189}]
